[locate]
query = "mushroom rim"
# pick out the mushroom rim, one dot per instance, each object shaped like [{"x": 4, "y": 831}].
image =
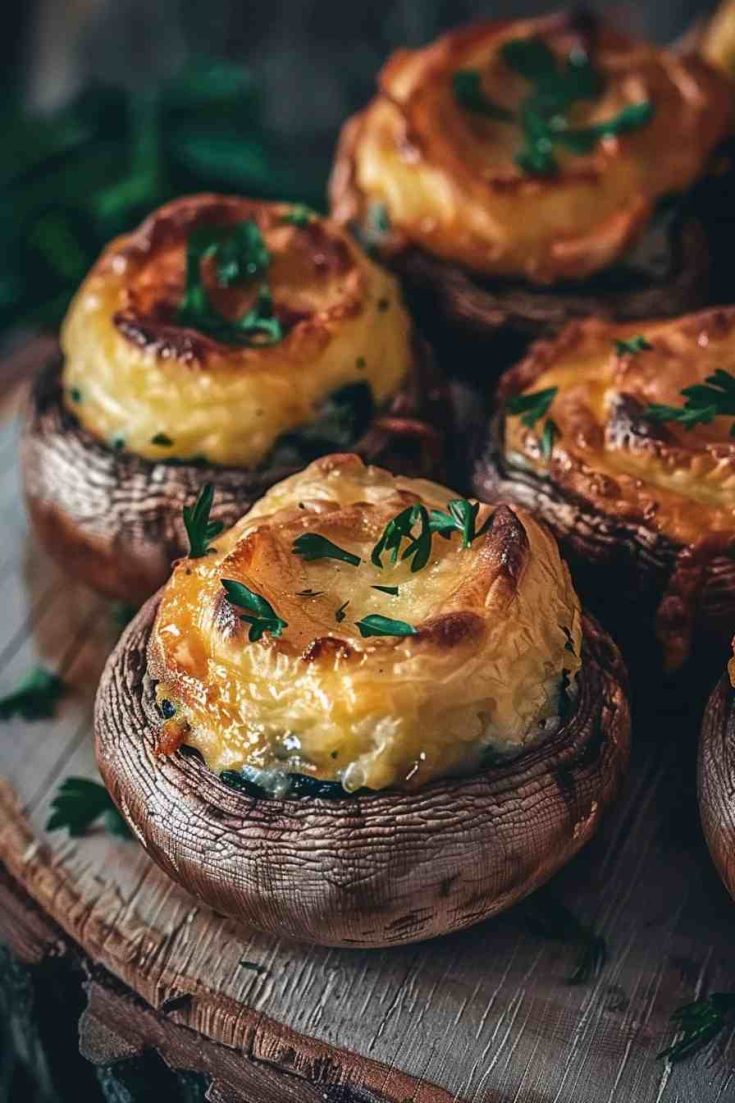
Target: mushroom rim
[
  {"x": 595, "y": 538},
  {"x": 715, "y": 778},
  {"x": 482, "y": 303},
  {"x": 113, "y": 518},
  {"x": 180, "y": 810}
]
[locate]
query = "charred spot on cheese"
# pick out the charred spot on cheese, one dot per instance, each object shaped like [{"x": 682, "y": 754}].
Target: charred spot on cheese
[
  {"x": 240, "y": 358},
  {"x": 365, "y": 689}
]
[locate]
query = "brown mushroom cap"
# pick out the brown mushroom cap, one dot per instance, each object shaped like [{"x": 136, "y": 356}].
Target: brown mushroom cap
[
  {"x": 500, "y": 254},
  {"x": 114, "y": 520},
  {"x": 364, "y": 870},
  {"x": 648, "y": 502},
  {"x": 716, "y": 780}
]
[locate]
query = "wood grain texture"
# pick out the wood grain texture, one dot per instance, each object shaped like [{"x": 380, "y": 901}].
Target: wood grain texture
[
  {"x": 364, "y": 871},
  {"x": 113, "y": 519},
  {"x": 639, "y": 582},
  {"x": 717, "y": 780},
  {"x": 482, "y": 1016}
]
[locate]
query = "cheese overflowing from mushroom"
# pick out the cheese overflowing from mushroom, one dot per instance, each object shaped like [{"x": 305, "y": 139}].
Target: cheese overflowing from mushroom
[
  {"x": 222, "y": 325},
  {"x": 364, "y": 674},
  {"x": 629, "y": 434},
  {"x": 536, "y": 148}
]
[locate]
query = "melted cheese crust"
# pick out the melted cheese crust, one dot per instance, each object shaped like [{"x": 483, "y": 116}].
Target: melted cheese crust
[
  {"x": 494, "y": 623},
  {"x": 678, "y": 481},
  {"x": 448, "y": 179},
  {"x": 136, "y": 373},
  {"x": 718, "y": 39}
]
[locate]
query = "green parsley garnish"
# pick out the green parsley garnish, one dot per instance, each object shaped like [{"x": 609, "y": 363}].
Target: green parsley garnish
[
  {"x": 462, "y": 517},
  {"x": 35, "y": 698},
  {"x": 261, "y": 615},
  {"x": 467, "y": 89},
  {"x": 310, "y": 546},
  {"x": 544, "y": 114},
  {"x": 392, "y": 590},
  {"x": 239, "y": 254},
  {"x": 341, "y": 613},
  {"x": 631, "y": 345},
  {"x": 375, "y": 625},
  {"x": 400, "y": 529},
  {"x": 260, "y": 326},
  {"x": 378, "y": 220},
  {"x": 703, "y": 402},
  {"x": 75, "y": 395},
  {"x": 79, "y": 803},
  {"x": 549, "y": 434},
  {"x": 300, "y": 215},
  {"x": 531, "y": 407},
  {"x": 199, "y": 529},
  {"x": 698, "y": 1023},
  {"x": 162, "y": 440}
]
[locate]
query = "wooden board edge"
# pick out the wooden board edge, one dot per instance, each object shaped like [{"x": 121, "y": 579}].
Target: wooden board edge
[{"x": 42, "y": 906}]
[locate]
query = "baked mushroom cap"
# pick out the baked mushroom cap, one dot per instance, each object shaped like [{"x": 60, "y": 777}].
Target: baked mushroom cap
[
  {"x": 115, "y": 520},
  {"x": 262, "y": 670},
  {"x": 533, "y": 149},
  {"x": 223, "y": 324},
  {"x": 600, "y": 433},
  {"x": 165, "y": 384},
  {"x": 387, "y": 652},
  {"x": 716, "y": 775}
]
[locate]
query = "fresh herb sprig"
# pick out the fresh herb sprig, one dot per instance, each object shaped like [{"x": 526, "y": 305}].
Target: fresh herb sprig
[
  {"x": 79, "y": 803},
  {"x": 703, "y": 402},
  {"x": 376, "y": 625},
  {"x": 341, "y": 613},
  {"x": 35, "y": 698},
  {"x": 199, "y": 529},
  {"x": 260, "y": 615},
  {"x": 462, "y": 517},
  {"x": 400, "y": 528},
  {"x": 549, "y": 434},
  {"x": 310, "y": 546},
  {"x": 698, "y": 1023},
  {"x": 299, "y": 216},
  {"x": 531, "y": 408},
  {"x": 630, "y": 346},
  {"x": 543, "y": 115},
  {"x": 239, "y": 254},
  {"x": 467, "y": 89}
]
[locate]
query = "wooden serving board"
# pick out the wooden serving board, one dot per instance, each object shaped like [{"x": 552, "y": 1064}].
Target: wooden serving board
[{"x": 481, "y": 1017}]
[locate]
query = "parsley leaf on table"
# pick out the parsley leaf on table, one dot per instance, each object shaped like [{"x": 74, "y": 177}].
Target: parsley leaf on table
[
  {"x": 35, "y": 698},
  {"x": 79, "y": 803}
]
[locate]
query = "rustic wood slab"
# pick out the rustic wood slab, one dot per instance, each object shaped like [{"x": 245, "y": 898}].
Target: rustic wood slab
[{"x": 482, "y": 1017}]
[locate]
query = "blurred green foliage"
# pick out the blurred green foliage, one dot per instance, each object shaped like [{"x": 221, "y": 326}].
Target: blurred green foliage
[{"x": 71, "y": 181}]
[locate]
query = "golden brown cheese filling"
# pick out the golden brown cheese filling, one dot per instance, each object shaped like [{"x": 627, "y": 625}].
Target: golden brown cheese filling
[
  {"x": 217, "y": 355},
  {"x": 624, "y": 435},
  {"x": 351, "y": 667},
  {"x": 536, "y": 148}
]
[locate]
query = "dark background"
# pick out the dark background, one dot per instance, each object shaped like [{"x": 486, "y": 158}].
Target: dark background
[
  {"x": 110, "y": 107},
  {"x": 314, "y": 59}
]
